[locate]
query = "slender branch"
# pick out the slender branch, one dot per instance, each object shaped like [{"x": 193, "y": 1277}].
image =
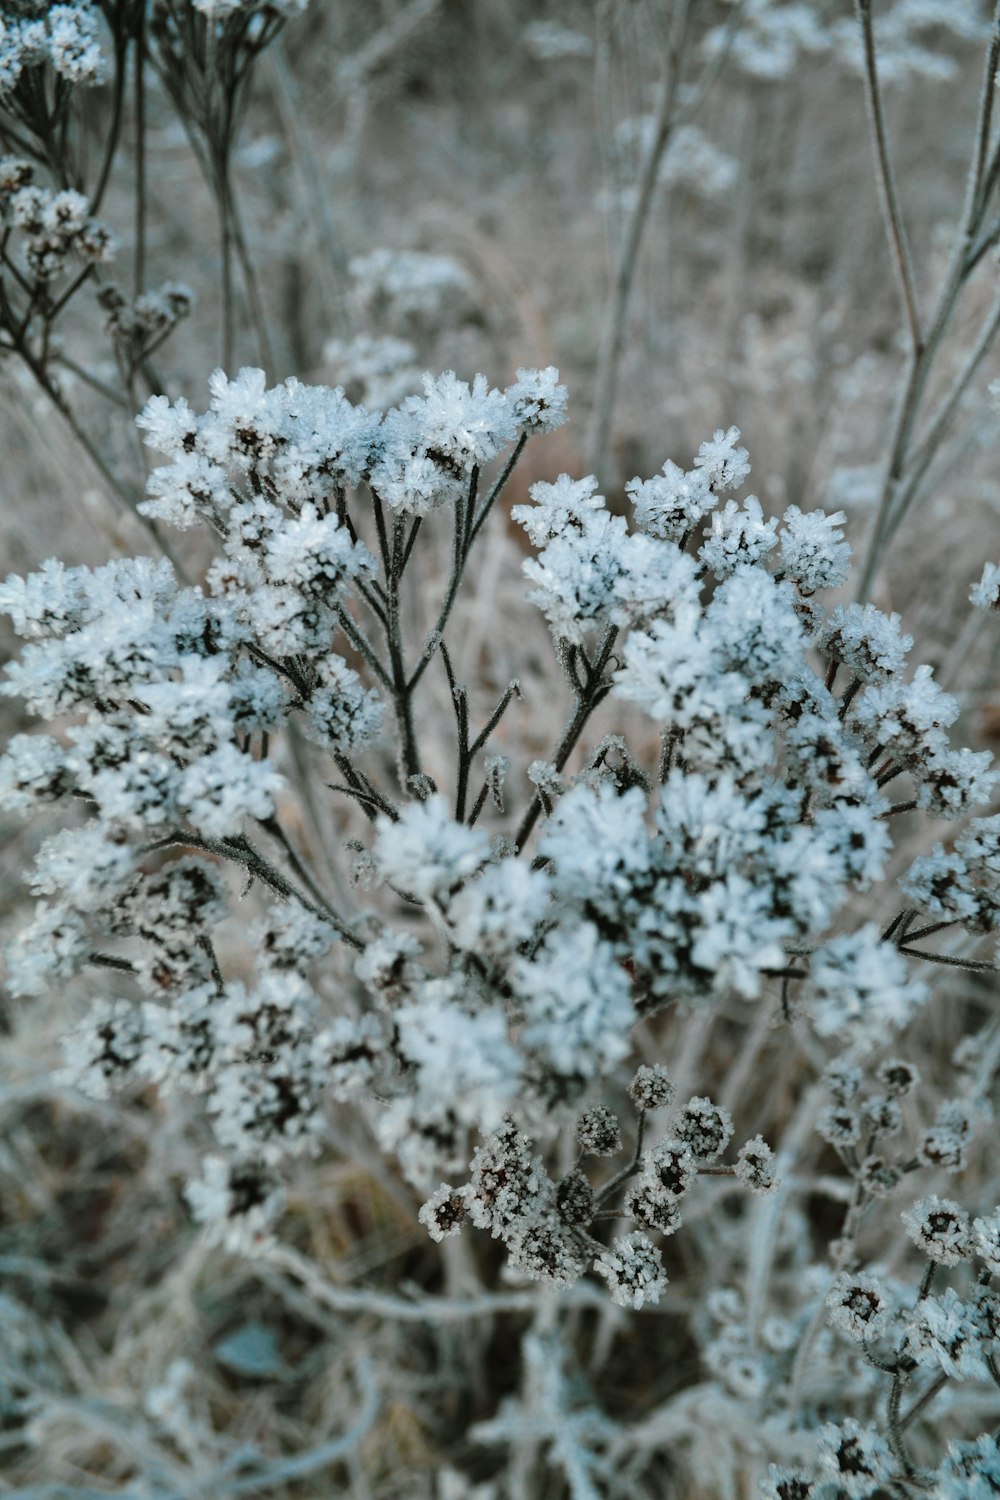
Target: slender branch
[
  {"x": 891, "y": 210},
  {"x": 616, "y": 314},
  {"x": 975, "y": 965},
  {"x": 488, "y": 503},
  {"x": 627, "y": 1171},
  {"x": 274, "y": 828},
  {"x": 596, "y": 690},
  {"x": 916, "y": 1407}
]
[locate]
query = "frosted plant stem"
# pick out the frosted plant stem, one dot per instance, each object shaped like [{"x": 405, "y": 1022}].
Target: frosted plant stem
[
  {"x": 739, "y": 1073},
  {"x": 616, "y": 312},
  {"x": 892, "y": 212},
  {"x": 117, "y": 489},
  {"x": 423, "y": 1309},
  {"x": 595, "y": 689},
  {"x": 139, "y": 90},
  {"x": 965, "y": 255},
  {"x": 918, "y": 464},
  {"x": 330, "y": 261}
]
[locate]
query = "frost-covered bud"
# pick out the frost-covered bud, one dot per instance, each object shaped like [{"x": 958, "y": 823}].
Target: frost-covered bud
[
  {"x": 813, "y": 551},
  {"x": 866, "y": 640},
  {"x": 341, "y": 714},
  {"x": 840, "y": 1126},
  {"x": 348, "y": 1054},
  {"x": 737, "y": 537},
  {"x": 506, "y": 1181},
  {"x": 705, "y": 1128},
  {"x": 105, "y": 1051},
  {"x": 33, "y": 770},
  {"x": 941, "y": 1149},
  {"x": 387, "y": 966},
  {"x": 756, "y": 1166},
  {"x": 946, "y": 1143},
  {"x": 653, "y": 1205},
  {"x": 15, "y": 174},
  {"x": 537, "y": 400},
  {"x": 882, "y": 1115},
  {"x": 898, "y": 1077},
  {"x": 724, "y": 465},
  {"x": 291, "y": 937},
  {"x": 857, "y": 1459},
  {"x": 879, "y": 1177},
  {"x": 943, "y": 1333},
  {"x": 426, "y": 853},
  {"x": 546, "y": 1250},
  {"x": 857, "y": 981},
  {"x": 575, "y": 1199},
  {"x": 783, "y": 1483},
  {"x": 672, "y": 1164},
  {"x": 670, "y": 504},
  {"x": 940, "y": 1228},
  {"x": 599, "y": 1132},
  {"x": 970, "y": 1469},
  {"x": 651, "y": 1087},
  {"x": 844, "y": 1079},
  {"x": 444, "y": 1213},
  {"x": 985, "y": 1305},
  {"x": 859, "y": 1305},
  {"x": 564, "y": 505},
  {"x": 633, "y": 1270}
]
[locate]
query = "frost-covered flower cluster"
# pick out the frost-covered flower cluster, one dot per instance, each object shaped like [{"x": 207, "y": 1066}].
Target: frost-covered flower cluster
[
  {"x": 51, "y": 226},
  {"x": 64, "y": 37},
  {"x": 474, "y": 1000}
]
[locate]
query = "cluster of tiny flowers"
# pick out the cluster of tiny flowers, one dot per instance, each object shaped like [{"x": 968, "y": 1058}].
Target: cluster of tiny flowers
[
  {"x": 769, "y": 815},
  {"x": 140, "y": 326},
  {"x": 65, "y": 37},
  {"x": 52, "y": 226},
  {"x": 773, "y": 806},
  {"x": 545, "y": 1225}
]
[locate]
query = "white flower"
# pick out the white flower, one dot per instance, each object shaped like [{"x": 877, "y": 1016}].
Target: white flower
[
  {"x": 633, "y": 1270},
  {"x": 737, "y": 536},
  {"x": 672, "y": 503},
  {"x": 855, "y": 1458},
  {"x": 813, "y": 550},
  {"x": 222, "y": 789},
  {"x": 462, "y": 1061},
  {"x": 565, "y": 504},
  {"x": 577, "y": 1003},
  {"x": 857, "y": 981},
  {"x": 725, "y": 466},
  {"x": 426, "y": 853},
  {"x": 940, "y": 1228},
  {"x": 537, "y": 400}
]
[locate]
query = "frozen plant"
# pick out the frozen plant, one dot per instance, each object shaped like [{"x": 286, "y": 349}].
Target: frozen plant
[{"x": 474, "y": 1004}]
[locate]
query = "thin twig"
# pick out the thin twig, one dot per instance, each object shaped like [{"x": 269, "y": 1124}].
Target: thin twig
[{"x": 891, "y": 210}]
